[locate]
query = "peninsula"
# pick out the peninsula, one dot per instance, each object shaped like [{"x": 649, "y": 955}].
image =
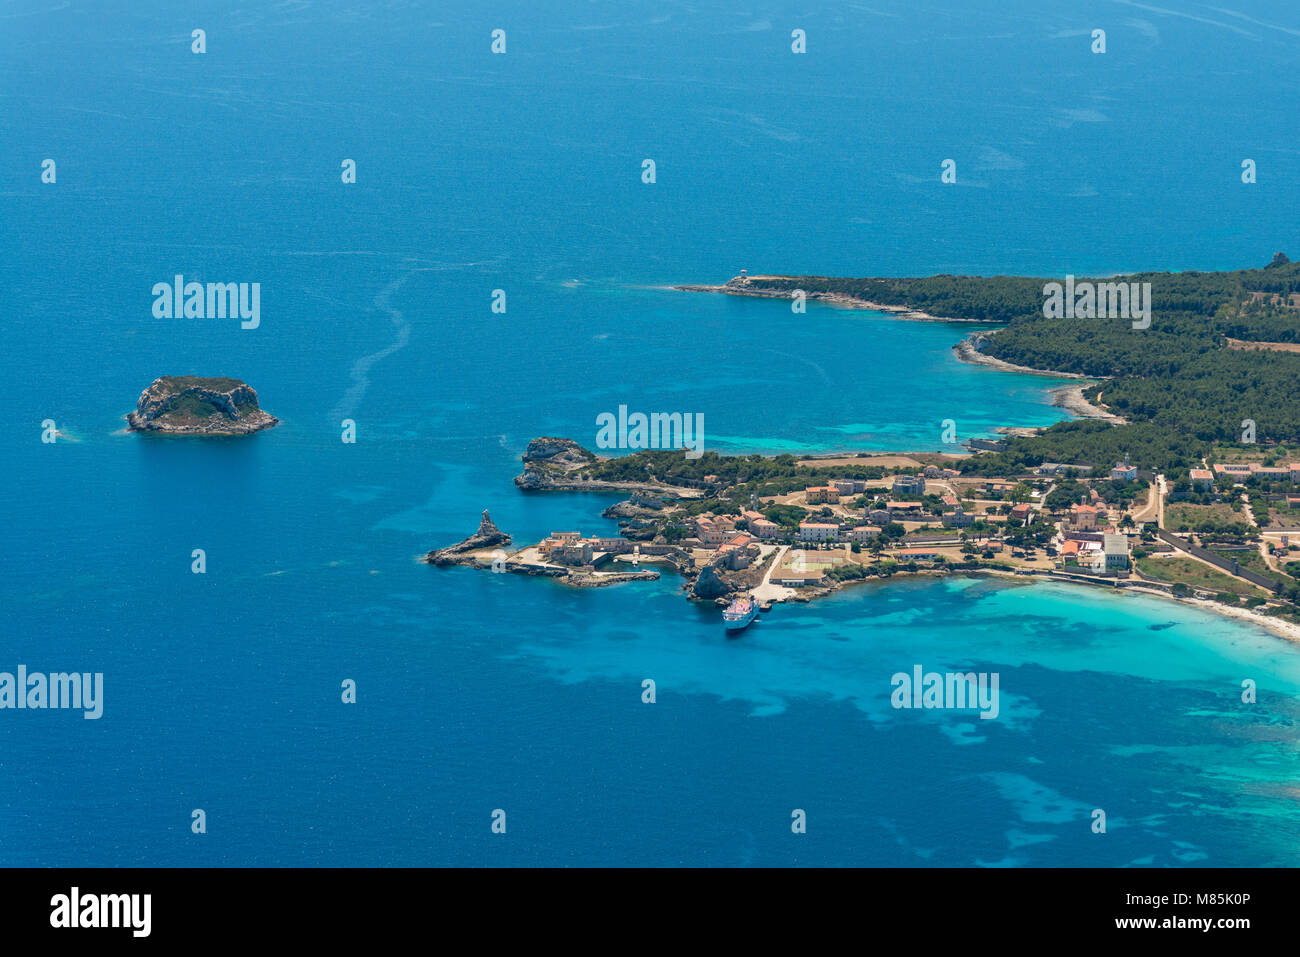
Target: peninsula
[
  {"x": 1182, "y": 479},
  {"x": 193, "y": 405}
]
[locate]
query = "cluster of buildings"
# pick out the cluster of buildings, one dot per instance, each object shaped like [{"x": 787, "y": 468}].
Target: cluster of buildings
[
  {"x": 1088, "y": 538},
  {"x": 1107, "y": 552},
  {"x": 903, "y": 487},
  {"x": 722, "y": 531},
  {"x": 736, "y": 549},
  {"x": 571, "y": 548},
  {"x": 832, "y": 492},
  {"x": 1060, "y": 468},
  {"x": 1122, "y": 472},
  {"x": 1280, "y": 473},
  {"x": 837, "y": 532},
  {"x": 934, "y": 472}
]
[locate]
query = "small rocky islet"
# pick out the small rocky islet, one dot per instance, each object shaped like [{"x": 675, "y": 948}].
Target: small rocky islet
[{"x": 197, "y": 405}]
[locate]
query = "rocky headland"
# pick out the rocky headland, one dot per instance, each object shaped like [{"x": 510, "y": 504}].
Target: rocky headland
[
  {"x": 487, "y": 536},
  {"x": 554, "y": 464},
  {"x": 486, "y": 548},
  {"x": 776, "y": 287}
]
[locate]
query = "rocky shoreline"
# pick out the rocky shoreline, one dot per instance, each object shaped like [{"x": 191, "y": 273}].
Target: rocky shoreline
[
  {"x": 1071, "y": 398},
  {"x": 1068, "y": 397},
  {"x": 550, "y": 463},
  {"x": 968, "y": 350},
  {"x": 485, "y": 549},
  {"x": 713, "y": 581},
  {"x": 830, "y": 298},
  {"x": 487, "y": 536}
]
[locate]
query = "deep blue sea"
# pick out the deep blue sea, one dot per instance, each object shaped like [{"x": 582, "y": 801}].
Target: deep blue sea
[{"x": 523, "y": 172}]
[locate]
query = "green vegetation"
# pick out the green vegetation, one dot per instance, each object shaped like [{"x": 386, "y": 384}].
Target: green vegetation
[
  {"x": 213, "y": 384},
  {"x": 189, "y": 407},
  {"x": 1222, "y": 520},
  {"x": 1092, "y": 442},
  {"x": 742, "y": 474},
  {"x": 1248, "y": 558},
  {"x": 1195, "y": 574},
  {"x": 1178, "y": 382},
  {"x": 787, "y": 516}
]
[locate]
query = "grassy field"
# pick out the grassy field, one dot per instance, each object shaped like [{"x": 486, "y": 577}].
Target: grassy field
[
  {"x": 1246, "y": 558},
  {"x": 1182, "y": 516},
  {"x": 1280, "y": 515},
  {"x": 1281, "y": 454},
  {"x": 1251, "y": 559},
  {"x": 1196, "y": 575}
]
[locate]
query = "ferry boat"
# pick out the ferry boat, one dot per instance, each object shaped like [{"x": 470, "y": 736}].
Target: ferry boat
[{"x": 740, "y": 613}]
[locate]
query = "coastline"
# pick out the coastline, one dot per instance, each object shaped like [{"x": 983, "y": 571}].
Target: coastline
[
  {"x": 484, "y": 559},
  {"x": 966, "y": 352},
  {"x": 1278, "y": 626},
  {"x": 1069, "y": 398},
  {"x": 831, "y": 299}
]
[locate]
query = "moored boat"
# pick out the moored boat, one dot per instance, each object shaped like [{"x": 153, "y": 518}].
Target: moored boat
[{"x": 740, "y": 613}]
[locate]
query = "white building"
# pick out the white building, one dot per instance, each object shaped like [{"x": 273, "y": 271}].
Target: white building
[
  {"x": 1115, "y": 548},
  {"x": 817, "y": 532}
]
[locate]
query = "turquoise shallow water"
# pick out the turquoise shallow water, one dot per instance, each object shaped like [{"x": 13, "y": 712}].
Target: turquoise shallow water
[{"x": 478, "y": 692}]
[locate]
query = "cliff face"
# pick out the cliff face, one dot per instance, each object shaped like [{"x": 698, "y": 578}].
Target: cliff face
[
  {"x": 192, "y": 405},
  {"x": 549, "y": 460},
  {"x": 711, "y": 584},
  {"x": 558, "y": 452}
]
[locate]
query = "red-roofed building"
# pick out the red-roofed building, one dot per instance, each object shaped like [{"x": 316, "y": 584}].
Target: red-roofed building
[
  {"x": 818, "y": 494},
  {"x": 1083, "y": 517}
]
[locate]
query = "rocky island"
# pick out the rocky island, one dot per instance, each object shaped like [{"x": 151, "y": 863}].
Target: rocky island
[{"x": 193, "y": 405}]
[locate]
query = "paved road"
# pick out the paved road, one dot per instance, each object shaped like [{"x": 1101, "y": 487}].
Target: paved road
[
  {"x": 1154, "y": 509},
  {"x": 766, "y": 591}
]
